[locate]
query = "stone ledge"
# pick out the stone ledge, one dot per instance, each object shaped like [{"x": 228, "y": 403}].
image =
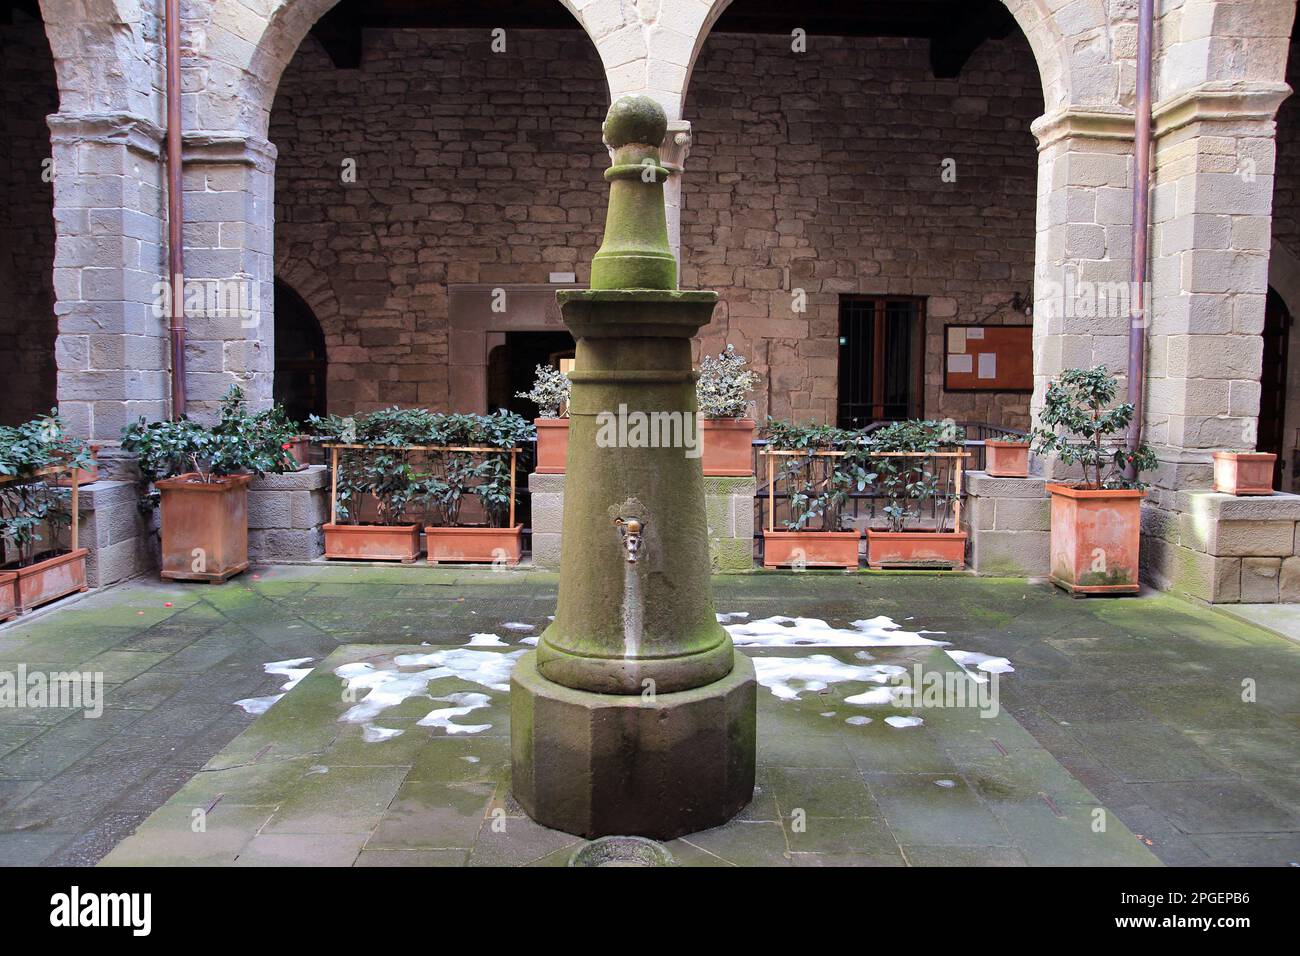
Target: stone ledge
[
  {"x": 982, "y": 485},
  {"x": 100, "y": 494},
  {"x": 312, "y": 478},
  {"x": 546, "y": 484},
  {"x": 1278, "y": 506}
]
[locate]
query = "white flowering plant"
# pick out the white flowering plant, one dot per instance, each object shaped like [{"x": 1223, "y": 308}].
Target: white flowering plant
[
  {"x": 550, "y": 392},
  {"x": 725, "y": 384}
]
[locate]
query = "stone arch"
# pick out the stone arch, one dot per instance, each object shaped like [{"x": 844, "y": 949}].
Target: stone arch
[
  {"x": 1076, "y": 55},
  {"x": 244, "y": 54}
]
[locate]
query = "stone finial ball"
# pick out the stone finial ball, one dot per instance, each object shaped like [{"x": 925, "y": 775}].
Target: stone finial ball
[{"x": 635, "y": 119}]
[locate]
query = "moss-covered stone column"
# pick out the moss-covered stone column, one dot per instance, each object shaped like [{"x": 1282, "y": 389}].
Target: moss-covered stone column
[{"x": 635, "y": 715}]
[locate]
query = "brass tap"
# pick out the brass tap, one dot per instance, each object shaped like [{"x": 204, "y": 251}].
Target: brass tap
[{"x": 631, "y": 531}]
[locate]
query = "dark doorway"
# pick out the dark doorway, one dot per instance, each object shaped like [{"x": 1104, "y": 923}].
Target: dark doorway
[
  {"x": 881, "y": 350},
  {"x": 300, "y": 358},
  {"x": 1272, "y": 380},
  {"x": 512, "y": 367}
]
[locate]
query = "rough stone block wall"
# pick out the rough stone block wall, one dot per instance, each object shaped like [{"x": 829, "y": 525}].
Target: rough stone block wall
[
  {"x": 1009, "y": 521},
  {"x": 27, "y": 324},
  {"x": 118, "y": 535},
  {"x": 548, "y": 519},
  {"x": 822, "y": 171},
  {"x": 470, "y": 168},
  {"x": 285, "y": 515},
  {"x": 1224, "y": 550}
]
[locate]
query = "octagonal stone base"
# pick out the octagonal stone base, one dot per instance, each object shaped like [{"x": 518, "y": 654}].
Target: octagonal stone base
[{"x": 598, "y": 764}]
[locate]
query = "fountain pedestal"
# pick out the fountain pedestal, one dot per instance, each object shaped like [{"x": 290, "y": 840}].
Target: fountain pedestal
[{"x": 635, "y": 715}]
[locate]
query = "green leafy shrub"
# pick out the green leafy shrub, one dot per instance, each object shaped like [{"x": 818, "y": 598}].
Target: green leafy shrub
[
  {"x": 724, "y": 385},
  {"x": 908, "y": 483},
  {"x": 550, "y": 392},
  {"x": 1079, "y": 424},
  {"x": 32, "y": 507},
  {"x": 819, "y": 484}
]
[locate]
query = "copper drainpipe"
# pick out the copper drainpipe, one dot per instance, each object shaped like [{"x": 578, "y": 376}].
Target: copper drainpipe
[
  {"x": 175, "y": 211},
  {"x": 1137, "y": 335}
]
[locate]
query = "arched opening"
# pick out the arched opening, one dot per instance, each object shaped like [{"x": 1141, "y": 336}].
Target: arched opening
[
  {"x": 862, "y": 190},
  {"x": 425, "y": 161},
  {"x": 28, "y": 327},
  {"x": 301, "y": 360}
]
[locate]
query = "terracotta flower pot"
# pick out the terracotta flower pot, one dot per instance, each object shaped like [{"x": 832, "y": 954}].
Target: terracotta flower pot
[
  {"x": 84, "y": 475},
  {"x": 1006, "y": 459},
  {"x": 8, "y": 594},
  {"x": 373, "y": 542},
  {"x": 204, "y": 527},
  {"x": 916, "y": 549},
  {"x": 300, "y": 449},
  {"x": 552, "y": 445},
  {"x": 477, "y": 545},
  {"x": 1096, "y": 537},
  {"x": 48, "y": 580},
  {"x": 811, "y": 549},
  {"x": 1244, "y": 473},
  {"x": 728, "y": 447}
]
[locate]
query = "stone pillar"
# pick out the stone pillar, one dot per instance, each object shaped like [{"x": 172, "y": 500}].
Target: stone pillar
[
  {"x": 673, "y": 153},
  {"x": 1083, "y": 244},
  {"x": 1009, "y": 522},
  {"x": 1211, "y": 225},
  {"x": 229, "y": 232},
  {"x": 110, "y": 254}
]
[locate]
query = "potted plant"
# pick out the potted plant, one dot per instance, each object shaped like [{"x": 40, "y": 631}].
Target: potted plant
[
  {"x": 86, "y": 475},
  {"x": 376, "y": 484},
  {"x": 722, "y": 392},
  {"x": 34, "y": 568},
  {"x": 200, "y": 478},
  {"x": 818, "y": 487},
  {"x": 1096, "y": 522},
  {"x": 908, "y": 484},
  {"x": 1244, "y": 472},
  {"x": 1007, "y": 457},
  {"x": 485, "y": 477},
  {"x": 550, "y": 393}
]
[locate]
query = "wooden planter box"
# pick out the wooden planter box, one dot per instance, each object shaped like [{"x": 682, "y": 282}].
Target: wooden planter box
[
  {"x": 728, "y": 447},
  {"x": 8, "y": 594},
  {"x": 552, "y": 445},
  {"x": 46, "y": 580},
  {"x": 1244, "y": 473},
  {"x": 1006, "y": 459},
  {"x": 811, "y": 549},
  {"x": 1096, "y": 538},
  {"x": 476, "y": 545},
  {"x": 373, "y": 542},
  {"x": 916, "y": 549},
  {"x": 204, "y": 527}
]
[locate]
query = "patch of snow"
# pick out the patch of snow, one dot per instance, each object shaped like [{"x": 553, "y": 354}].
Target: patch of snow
[
  {"x": 783, "y": 631},
  {"x": 858, "y": 721},
  {"x": 485, "y": 640},
  {"x": 517, "y": 626},
  {"x": 898, "y": 721},
  {"x": 981, "y": 662},
  {"x": 815, "y": 673},
  {"x": 464, "y": 703},
  {"x": 946, "y": 784},
  {"x": 372, "y": 734},
  {"x": 257, "y": 705}
]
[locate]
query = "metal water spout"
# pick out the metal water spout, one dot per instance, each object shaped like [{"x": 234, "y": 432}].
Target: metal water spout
[{"x": 631, "y": 530}]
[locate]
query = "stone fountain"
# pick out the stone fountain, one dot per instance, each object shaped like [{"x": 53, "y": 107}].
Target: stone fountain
[{"x": 635, "y": 715}]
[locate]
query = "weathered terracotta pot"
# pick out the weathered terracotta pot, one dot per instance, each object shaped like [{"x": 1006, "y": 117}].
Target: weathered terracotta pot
[
  {"x": 728, "y": 447},
  {"x": 811, "y": 549},
  {"x": 552, "y": 445},
  {"x": 204, "y": 527},
  {"x": 8, "y": 594},
  {"x": 1096, "y": 537},
  {"x": 300, "y": 449},
  {"x": 477, "y": 545},
  {"x": 916, "y": 549},
  {"x": 1006, "y": 459},
  {"x": 49, "y": 579},
  {"x": 373, "y": 542},
  {"x": 1244, "y": 473}
]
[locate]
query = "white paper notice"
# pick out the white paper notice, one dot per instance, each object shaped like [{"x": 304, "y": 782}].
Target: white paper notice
[
  {"x": 960, "y": 364},
  {"x": 974, "y": 333},
  {"x": 957, "y": 341},
  {"x": 988, "y": 365}
]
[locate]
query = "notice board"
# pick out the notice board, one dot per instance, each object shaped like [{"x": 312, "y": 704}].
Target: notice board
[{"x": 988, "y": 358}]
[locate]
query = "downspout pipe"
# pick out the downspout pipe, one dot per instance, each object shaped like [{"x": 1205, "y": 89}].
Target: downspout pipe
[
  {"x": 175, "y": 207},
  {"x": 1139, "y": 307}
]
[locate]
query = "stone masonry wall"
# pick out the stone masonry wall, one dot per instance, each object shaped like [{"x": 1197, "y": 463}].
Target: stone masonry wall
[
  {"x": 470, "y": 168},
  {"x": 821, "y": 171},
  {"x": 27, "y": 325}
]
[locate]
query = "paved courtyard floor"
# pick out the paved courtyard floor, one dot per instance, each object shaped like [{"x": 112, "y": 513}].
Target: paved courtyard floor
[{"x": 1132, "y": 731}]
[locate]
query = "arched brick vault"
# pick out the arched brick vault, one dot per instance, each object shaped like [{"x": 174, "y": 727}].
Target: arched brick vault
[{"x": 314, "y": 287}]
